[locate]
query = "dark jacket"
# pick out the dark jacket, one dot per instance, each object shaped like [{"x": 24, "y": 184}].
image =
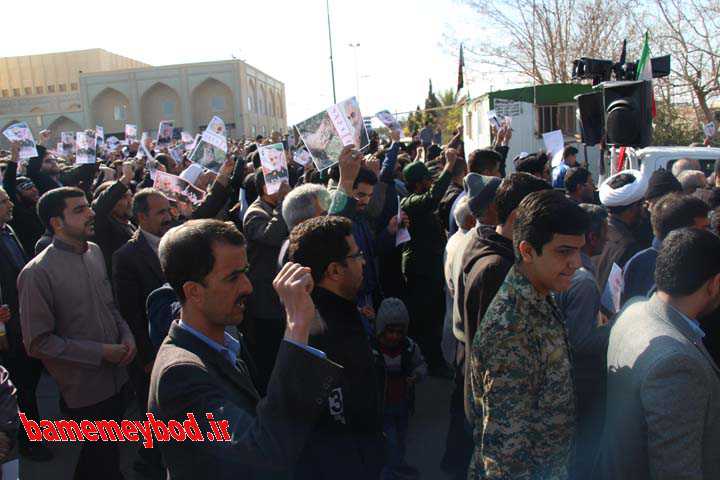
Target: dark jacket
[
  {"x": 346, "y": 442},
  {"x": 110, "y": 234},
  {"x": 9, "y": 420},
  {"x": 486, "y": 262},
  {"x": 265, "y": 231},
  {"x": 621, "y": 245},
  {"x": 136, "y": 274},
  {"x": 190, "y": 377},
  {"x": 9, "y": 293},
  {"x": 162, "y": 308},
  {"x": 25, "y": 222},
  {"x": 42, "y": 181},
  {"x": 639, "y": 273},
  {"x": 445, "y": 208},
  {"x": 423, "y": 254}
]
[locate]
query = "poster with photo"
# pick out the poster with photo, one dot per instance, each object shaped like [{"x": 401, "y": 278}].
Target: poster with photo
[
  {"x": 20, "y": 132},
  {"x": 326, "y": 133},
  {"x": 186, "y": 137},
  {"x": 85, "y": 148},
  {"x": 302, "y": 157},
  {"x": 177, "y": 154},
  {"x": 164, "y": 134},
  {"x": 274, "y": 167},
  {"x": 178, "y": 189},
  {"x": 388, "y": 119},
  {"x": 68, "y": 142},
  {"x": 215, "y": 134},
  {"x": 99, "y": 135},
  {"x": 130, "y": 132},
  {"x": 208, "y": 156}
]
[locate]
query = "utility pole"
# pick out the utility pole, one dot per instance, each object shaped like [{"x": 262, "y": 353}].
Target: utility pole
[
  {"x": 355, "y": 46},
  {"x": 332, "y": 66}
]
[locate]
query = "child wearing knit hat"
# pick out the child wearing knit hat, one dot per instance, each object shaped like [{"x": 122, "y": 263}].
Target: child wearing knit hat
[{"x": 402, "y": 366}]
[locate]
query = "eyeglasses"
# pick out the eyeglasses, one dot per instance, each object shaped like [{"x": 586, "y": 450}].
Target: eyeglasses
[{"x": 358, "y": 255}]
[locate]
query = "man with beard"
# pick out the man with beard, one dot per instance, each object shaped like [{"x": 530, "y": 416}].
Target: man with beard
[
  {"x": 69, "y": 321},
  {"x": 112, "y": 206},
  {"x": 579, "y": 185},
  {"x": 203, "y": 371},
  {"x": 24, "y": 195},
  {"x": 43, "y": 170},
  {"x": 136, "y": 274}
]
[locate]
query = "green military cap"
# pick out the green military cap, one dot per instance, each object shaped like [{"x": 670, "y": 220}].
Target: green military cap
[{"x": 415, "y": 172}]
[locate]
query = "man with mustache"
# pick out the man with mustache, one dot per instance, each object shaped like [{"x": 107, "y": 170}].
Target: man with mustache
[
  {"x": 136, "y": 273},
  {"x": 204, "y": 371},
  {"x": 69, "y": 321}
]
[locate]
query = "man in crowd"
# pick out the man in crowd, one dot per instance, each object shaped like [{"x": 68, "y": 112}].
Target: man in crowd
[
  {"x": 43, "y": 170},
  {"x": 303, "y": 202},
  {"x": 673, "y": 211},
  {"x": 422, "y": 257},
  {"x": 588, "y": 337},
  {"x": 203, "y": 371},
  {"x": 536, "y": 164},
  {"x": 683, "y": 164},
  {"x": 445, "y": 208},
  {"x": 579, "y": 185},
  {"x": 569, "y": 160},
  {"x": 70, "y": 322},
  {"x": 347, "y": 441},
  {"x": 663, "y": 414},
  {"x": 25, "y": 372},
  {"x": 523, "y": 400},
  {"x": 692, "y": 180},
  {"x": 661, "y": 183},
  {"x": 24, "y": 195},
  {"x": 623, "y": 195}
]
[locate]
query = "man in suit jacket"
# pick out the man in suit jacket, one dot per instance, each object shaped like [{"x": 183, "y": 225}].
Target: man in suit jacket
[
  {"x": 663, "y": 403},
  {"x": 25, "y": 372},
  {"x": 203, "y": 371}
]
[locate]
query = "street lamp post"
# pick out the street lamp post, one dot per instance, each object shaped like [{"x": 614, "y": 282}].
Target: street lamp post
[
  {"x": 332, "y": 66},
  {"x": 355, "y": 46}
]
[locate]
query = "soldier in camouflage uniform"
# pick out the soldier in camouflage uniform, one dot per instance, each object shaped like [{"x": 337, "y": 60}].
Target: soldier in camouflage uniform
[{"x": 522, "y": 399}]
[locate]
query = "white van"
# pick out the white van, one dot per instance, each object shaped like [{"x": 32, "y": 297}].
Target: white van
[{"x": 655, "y": 158}]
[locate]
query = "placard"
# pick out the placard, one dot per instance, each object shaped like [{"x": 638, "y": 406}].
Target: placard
[
  {"x": 20, "y": 132},
  {"x": 274, "y": 167}
]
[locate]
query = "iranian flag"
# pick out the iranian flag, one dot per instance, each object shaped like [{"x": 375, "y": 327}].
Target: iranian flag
[{"x": 644, "y": 68}]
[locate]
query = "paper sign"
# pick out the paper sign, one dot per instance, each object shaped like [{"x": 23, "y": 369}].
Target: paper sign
[
  {"x": 214, "y": 134},
  {"x": 403, "y": 234},
  {"x": 326, "y": 133},
  {"x": 130, "y": 132},
  {"x": 177, "y": 154},
  {"x": 301, "y": 157},
  {"x": 99, "y": 135},
  {"x": 20, "y": 132},
  {"x": 616, "y": 285},
  {"x": 186, "y": 137},
  {"x": 68, "y": 142},
  {"x": 389, "y": 121},
  {"x": 274, "y": 167},
  {"x": 208, "y": 156},
  {"x": 709, "y": 130},
  {"x": 113, "y": 141},
  {"x": 177, "y": 188},
  {"x": 494, "y": 119},
  {"x": 85, "y": 148},
  {"x": 165, "y": 133},
  {"x": 554, "y": 145}
]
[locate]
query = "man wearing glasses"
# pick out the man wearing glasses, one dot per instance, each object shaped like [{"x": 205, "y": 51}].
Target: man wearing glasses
[{"x": 346, "y": 442}]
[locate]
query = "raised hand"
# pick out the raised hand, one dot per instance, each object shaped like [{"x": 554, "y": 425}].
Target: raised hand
[{"x": 294, "y": 284}]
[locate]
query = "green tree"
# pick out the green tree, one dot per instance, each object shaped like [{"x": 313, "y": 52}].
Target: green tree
[
  {"x": 672, "y": 128},
  {"x": 431, "y": 102}
]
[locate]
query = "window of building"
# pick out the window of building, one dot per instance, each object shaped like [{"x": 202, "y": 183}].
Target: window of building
[
  {"x": 39, "y": 90},
  {"x": 16, "y": 92},
  {"x": 119, "y": 112},
  {"x": 556, "y": 117},
  {"x": 61, "y": 87},
  {"x": 5, "y": 92},
  {"x": 217, "y": 104},
  {"x": 51, "y": 88},
  {"x": 168, "y": 108},
  {"x": 249, "y": 104},
  {"x": 73, "y": 86},
  {"x": 28, "y": 91}
]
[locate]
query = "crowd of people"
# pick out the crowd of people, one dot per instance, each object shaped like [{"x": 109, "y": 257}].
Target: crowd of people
[{"x": 577, "y": 324}]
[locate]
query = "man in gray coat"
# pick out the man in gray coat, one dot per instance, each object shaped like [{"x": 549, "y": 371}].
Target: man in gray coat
[
  {"x": 204, "y": 376},
  {"x": 663, "y": 404}
]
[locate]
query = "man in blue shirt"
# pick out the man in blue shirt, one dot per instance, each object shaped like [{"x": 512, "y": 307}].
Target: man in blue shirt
[{"x": 569, "y": 160}]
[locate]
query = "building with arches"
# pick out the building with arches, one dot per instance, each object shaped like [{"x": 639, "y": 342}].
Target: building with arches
[{"x": 117, "y": 91}]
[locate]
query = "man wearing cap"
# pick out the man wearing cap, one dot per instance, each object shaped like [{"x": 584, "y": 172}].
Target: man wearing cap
[
  {"x": 24, "y": 195},
  {"x": 422, "y": 264},
  {"x": 623, "y": 194},
  {"x": 569, "y": 160}
]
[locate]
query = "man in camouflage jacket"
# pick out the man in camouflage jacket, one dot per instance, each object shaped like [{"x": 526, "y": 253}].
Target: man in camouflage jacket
[{"x": 522, "y": 400}]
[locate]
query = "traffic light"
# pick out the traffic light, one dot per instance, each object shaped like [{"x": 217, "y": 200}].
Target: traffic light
[{"x": 628, "y": 113}]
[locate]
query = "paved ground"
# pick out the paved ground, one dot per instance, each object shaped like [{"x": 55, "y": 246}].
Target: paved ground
[{"x": 426, "y": 439}]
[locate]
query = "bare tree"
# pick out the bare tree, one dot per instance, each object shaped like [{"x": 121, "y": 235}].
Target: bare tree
[
  {"x": 539, "y": 39},
  {"x": 690, "y": 31}
]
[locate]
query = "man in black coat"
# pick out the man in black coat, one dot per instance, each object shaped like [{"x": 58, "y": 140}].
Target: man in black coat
[
  {"x": 25, "y": 371},
  {"x": 347, "y": 441},
  {"x": 24, "y": 195},
  {"x": 202, "y": 371}
]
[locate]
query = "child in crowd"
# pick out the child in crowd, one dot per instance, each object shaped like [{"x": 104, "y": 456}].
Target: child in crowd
[{"x": 402, "y": 366}]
